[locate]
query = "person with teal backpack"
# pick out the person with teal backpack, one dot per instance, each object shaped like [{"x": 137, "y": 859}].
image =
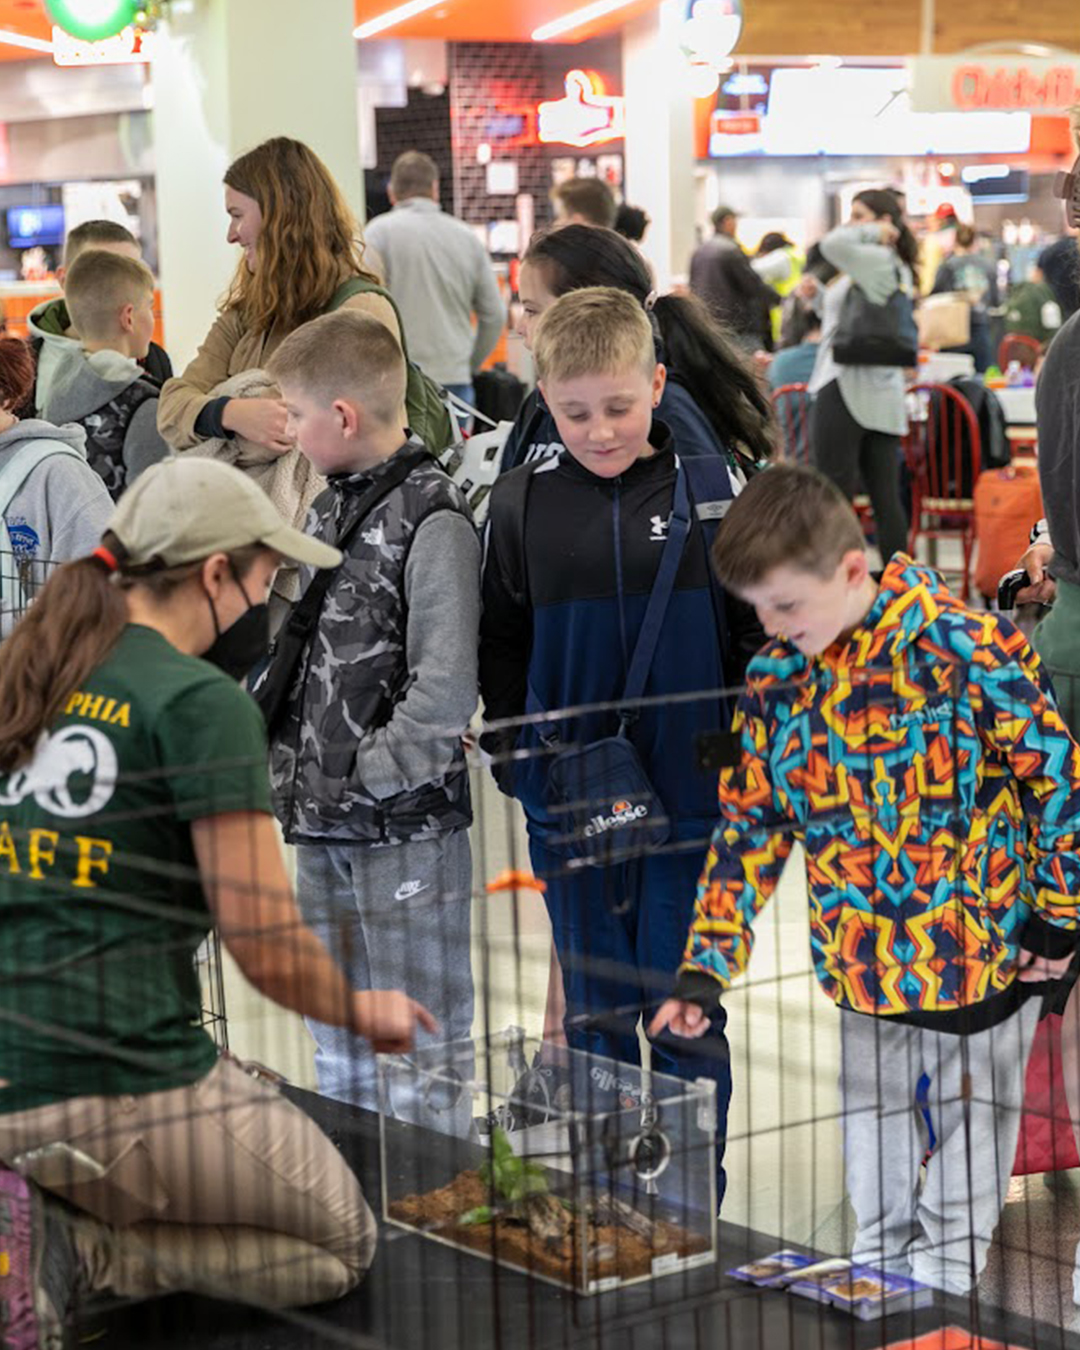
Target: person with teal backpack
[
  {"x": 302, "y": 256},
  {"x": 53, "y": 506}
]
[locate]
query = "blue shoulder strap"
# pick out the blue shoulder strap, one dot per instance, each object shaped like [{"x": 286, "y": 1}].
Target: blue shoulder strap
[
  {"x": 660, "y": 595},
  {"x": 659, "y": 598}
]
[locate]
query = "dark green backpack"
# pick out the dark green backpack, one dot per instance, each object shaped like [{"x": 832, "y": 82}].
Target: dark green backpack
[{"x": 424, "y": 399}]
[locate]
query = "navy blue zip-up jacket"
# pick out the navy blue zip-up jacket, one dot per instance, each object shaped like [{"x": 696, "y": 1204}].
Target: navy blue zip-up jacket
[
  {"x": 557, "y": 623},
  {"x": 534, "y": 434}
]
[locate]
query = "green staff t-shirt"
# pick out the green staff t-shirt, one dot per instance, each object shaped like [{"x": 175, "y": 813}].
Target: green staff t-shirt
[{"x": 101, "y": 905}]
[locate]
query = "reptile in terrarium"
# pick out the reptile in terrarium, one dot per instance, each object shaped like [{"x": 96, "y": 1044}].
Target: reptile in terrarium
[{"x": 522, "y": 1187}]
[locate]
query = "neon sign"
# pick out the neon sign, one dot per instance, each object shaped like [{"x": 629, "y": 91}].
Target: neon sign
[
  {"x": 1012, "y": 88},
  {"x": 133, "y": 46},
  {"x": 585, "y": 116}
]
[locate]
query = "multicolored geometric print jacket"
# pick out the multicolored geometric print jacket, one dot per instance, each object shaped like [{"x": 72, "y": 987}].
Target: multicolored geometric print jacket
[{"x": 935, "y": 789}]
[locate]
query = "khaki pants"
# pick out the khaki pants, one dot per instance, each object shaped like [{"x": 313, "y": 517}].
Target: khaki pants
[{"x": 224, "y": 1188}]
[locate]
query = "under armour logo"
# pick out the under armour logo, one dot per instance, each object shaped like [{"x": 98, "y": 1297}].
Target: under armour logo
[{"x": 659, "y": 529}]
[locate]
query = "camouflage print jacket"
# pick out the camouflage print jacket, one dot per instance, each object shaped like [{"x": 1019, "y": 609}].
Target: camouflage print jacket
[{"x": 357, "y": 673}]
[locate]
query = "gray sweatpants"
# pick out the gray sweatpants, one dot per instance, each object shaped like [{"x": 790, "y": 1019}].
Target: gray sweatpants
[
  {"x": 395, "y": 917},
  {"x": 936, "y": 1229}
]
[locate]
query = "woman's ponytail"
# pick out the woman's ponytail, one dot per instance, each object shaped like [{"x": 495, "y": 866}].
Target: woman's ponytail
[
  {"x": 718, "y": 376},
  {"x": 68, "y": 630}
]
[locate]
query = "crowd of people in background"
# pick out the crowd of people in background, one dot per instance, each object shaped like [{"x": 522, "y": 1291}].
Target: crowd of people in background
[{"x": 642, "y": 542}]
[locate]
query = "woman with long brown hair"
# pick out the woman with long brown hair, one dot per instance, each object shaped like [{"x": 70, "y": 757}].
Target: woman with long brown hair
[
  {"x": 134, "y": 813},
  {"x": 303, "y": 255}
]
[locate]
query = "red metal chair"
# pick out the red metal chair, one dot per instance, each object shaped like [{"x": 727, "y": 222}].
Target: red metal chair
[
  {"x": 792, "y": 405},
  {"x": 1018, "y": 347},
  {"x": 943, "y": 453}
]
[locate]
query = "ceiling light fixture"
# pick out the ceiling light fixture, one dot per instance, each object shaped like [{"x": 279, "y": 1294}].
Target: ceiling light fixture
[
  {"x": 32, "y": 44},
  {"x": 577, "y": 18},
  {"x": 392, "y": 17}
]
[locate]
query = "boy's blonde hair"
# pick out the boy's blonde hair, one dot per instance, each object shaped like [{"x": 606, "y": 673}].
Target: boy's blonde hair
[
  {"x": 786, "y": 516},
  {"x": 345, "y": 355},
  {"x": 98, "y": 285},
  {"x": 595, "y": 331}
]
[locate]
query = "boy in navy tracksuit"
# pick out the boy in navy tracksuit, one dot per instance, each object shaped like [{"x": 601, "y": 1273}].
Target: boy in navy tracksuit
[{"x": 563, "y": 607}]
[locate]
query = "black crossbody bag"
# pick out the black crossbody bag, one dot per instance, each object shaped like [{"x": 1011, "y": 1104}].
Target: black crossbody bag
[
  {"x": 272, "y": 690},
  {"x": 599, "y": 794}
]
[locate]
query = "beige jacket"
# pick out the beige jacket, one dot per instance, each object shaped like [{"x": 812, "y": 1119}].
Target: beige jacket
[{"x": 227, "y": 350}]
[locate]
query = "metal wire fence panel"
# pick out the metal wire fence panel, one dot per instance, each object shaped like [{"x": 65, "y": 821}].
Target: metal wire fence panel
[{"x": 546, "y": 1171}]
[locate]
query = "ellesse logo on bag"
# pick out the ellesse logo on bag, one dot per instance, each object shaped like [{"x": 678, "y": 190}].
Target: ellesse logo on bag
[{"x": 622, "y": 813}]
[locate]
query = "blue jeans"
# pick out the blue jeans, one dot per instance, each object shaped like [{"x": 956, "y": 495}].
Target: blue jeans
[
  {"x": 620, "y": 933},
  {"x": 397, "y": 917}
]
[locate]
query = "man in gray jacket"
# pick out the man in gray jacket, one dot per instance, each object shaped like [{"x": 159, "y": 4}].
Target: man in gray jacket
[{"x": 440, "y": 275}]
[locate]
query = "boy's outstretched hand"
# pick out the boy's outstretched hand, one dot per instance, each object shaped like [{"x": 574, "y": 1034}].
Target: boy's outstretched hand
[
  {"x": 681, "y": 1017},
  {"x": 389, "y": 1019}
]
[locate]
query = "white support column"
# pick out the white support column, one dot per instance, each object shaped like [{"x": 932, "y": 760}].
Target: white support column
[
  {"x": 229, "y": 74},
  {"x": 660, "y": 138}
]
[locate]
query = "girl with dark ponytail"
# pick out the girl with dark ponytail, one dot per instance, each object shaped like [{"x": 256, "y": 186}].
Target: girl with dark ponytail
[
  {"x": 859, "y": 413},
  {"x": 713, "y": 402}
]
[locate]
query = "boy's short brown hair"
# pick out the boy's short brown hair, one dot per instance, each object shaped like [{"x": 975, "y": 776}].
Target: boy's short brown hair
[
  {"x": 94, "y": 233},
  {"x": 99, "y": 285},
  {"x": 347, "y": 355},
  {"x": 786, "y": 516},
  {"x": 589, "y": 198},
  {"x": 595, "y": 331}
]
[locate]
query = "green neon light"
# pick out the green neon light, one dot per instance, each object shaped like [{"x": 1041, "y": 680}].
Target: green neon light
[{"x": 92, "y": 20}]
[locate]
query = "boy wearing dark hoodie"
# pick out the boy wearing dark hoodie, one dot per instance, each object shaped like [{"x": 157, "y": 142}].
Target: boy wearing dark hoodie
[
  {"x": 52, "y": 331},
  {"x": 578, "y": 573},
  {"x": 98, "y": 383},
  {"x": 913, "y": 748}
]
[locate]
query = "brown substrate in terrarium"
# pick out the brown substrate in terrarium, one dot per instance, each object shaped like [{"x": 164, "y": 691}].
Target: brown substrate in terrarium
[{"x": 627, "y": 1254}]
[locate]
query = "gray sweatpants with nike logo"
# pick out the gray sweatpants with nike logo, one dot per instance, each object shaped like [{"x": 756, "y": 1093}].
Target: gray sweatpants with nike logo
[{"x": 398, "y": 917}]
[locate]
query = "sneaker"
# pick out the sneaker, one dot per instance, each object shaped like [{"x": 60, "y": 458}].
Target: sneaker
[{"x": 39, "y": 1267}]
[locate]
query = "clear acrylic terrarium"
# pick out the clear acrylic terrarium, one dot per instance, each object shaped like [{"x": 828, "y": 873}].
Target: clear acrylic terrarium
[{"x": 583, "y": 1172}]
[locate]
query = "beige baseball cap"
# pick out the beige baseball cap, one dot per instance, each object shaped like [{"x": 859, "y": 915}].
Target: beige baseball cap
[{"x": 184, "y": 509}]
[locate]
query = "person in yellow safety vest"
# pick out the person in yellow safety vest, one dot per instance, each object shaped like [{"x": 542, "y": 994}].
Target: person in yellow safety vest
[{"x": 779, "y": 264}]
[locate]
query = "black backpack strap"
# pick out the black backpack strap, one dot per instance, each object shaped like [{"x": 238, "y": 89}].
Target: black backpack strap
[
  {"x": 272, "y": 691},
  {"x": 513, "y": 491}
]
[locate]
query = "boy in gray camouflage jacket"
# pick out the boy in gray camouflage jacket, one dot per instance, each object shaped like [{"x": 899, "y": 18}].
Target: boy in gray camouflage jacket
[{"x": 367, "y": 764}]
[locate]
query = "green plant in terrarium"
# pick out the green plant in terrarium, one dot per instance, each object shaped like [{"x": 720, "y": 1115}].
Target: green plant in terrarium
[{"x": 522, "y": 1186}]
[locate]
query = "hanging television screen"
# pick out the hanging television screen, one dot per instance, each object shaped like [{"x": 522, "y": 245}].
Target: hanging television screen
[
  {"x": 30, "y": 226},
  {"x": 996, "y": 183}
]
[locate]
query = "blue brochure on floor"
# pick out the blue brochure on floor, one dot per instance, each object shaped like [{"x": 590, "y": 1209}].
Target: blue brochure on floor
[{"x": 861, "y": 1291}]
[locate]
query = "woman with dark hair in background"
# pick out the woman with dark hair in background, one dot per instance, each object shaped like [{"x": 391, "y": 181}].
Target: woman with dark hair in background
[
  {"x": 965, "y": 272},
  {"x": 713, "y": 402},
  {"x": 859, "y": 412}
]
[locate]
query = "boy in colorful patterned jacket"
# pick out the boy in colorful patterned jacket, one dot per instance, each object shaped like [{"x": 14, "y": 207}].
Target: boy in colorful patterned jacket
[{"x": 913, "y": 747}]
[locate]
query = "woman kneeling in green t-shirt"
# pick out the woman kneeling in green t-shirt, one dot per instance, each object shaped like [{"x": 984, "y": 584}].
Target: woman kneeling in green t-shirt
[{"x": 135, "y": 812}]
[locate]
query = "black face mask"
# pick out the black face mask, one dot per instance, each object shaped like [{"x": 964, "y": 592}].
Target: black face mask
[{"x": 244, "y": 643}]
